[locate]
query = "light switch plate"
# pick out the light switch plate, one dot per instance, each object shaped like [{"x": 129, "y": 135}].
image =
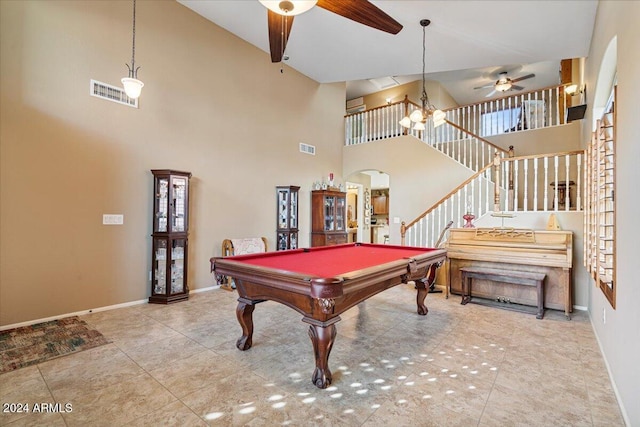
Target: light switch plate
[{"x": 112, "y": 219}]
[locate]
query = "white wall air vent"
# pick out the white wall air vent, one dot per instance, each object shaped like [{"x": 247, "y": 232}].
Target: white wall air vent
[
  {"x": 352, "y": 103},
  {"x": 307, "y": 149},
  {"x": 111, "y": 93}
]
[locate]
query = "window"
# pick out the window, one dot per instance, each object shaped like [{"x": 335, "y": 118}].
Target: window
[
  {"x": 501, "y": 121},
  {"x": 600, "y": 230}
]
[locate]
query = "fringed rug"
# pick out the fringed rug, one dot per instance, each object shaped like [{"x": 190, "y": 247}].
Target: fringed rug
[{"x": 30, "y": 345}]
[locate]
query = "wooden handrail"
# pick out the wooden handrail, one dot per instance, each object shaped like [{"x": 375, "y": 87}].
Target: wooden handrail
[
  {"x": 460, "y": 128},
  {"x": 403, "y": 227},
  {"x": 534, "y": 156}
]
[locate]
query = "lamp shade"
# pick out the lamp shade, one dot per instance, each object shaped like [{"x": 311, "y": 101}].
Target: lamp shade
[
  {"x": 291, "y": 7},
  {"x": 132, "y": 87},
  {"x": 419, "y": 126},
  {"x": 416, "y": 116},
  {"x": 405, "y": 122}
]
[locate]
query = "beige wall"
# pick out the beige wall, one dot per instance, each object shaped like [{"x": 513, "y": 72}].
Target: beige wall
[
  {"x": 554, "y": 139},
  {"x": 618, "y": 336},
  {"x": 212, "y": 105},
  {"x": 419, "y": 175},
  {"x": 438, "y": 96}
]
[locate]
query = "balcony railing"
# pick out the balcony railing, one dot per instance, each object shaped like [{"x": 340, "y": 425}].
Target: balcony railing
[{"x": 528, "y": 110}]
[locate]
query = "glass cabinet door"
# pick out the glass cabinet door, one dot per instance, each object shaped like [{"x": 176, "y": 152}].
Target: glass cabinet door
[
  {"x": 178, "y": 249},
  {"x": 161, "y": 205},
  {"x": 283, "y": 208},
  {"x": 329, "y": 211},
  {"x": 160, "y": 266},
  {"x": 179, "y": 204},
  {"x": 340, "y": 209},
  {"x": 293, "y": 220}
]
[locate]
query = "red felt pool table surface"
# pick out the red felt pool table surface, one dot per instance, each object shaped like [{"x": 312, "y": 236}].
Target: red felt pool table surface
[{"x": 329, "y": 261}]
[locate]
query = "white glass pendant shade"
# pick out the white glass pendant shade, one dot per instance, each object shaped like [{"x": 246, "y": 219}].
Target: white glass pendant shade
[
  {"x": 405, "y": 122},
  {"x": 416, "y": 116},
  {"x": 419, "y": 126},
  {"x": 439, "y": 117},
  {"x": 290, "y": 7},
  {"x": 132, "y": 87}
]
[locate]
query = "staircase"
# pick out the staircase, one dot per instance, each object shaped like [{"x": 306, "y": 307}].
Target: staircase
[{"x": 499, "y": 181}]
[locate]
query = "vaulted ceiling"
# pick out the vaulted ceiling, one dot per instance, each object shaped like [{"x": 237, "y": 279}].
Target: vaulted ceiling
[{"x": 467, "y": 44}]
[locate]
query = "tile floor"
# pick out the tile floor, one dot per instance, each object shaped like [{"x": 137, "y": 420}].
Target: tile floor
[{"x": 459, "y": 366}]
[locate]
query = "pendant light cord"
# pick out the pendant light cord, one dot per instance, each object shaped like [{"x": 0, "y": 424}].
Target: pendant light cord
[{"x": 133, "y": 72}]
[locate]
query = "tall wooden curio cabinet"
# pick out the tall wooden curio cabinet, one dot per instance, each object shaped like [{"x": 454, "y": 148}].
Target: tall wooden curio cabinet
[
  {"x": 287, "y": 214},
  {"x": 328, "y": 217},
  {"x": 170, "y": 236}
]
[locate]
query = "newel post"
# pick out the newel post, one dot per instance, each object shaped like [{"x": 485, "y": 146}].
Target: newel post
[
  {"x": 496, "y": 182},
  {"x": 403, "y": 231},
  {"x": 510, "y": 195},
  {"x": 406, "y": 113}
]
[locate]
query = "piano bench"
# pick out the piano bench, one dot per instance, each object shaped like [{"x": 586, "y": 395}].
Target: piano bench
[{"x": 506, "y": 276}]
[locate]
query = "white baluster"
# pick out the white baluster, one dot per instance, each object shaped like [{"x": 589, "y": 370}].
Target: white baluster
[
  {"x": 535, "y": 184},
  {"x": 555, "y": 190},
  {"x": 546, "y": 183},
  {"x": 567, "y": 201},
  {"x": 579, "y": 186}
]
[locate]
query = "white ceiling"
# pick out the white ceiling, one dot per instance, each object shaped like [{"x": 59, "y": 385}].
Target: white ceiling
[{"x": 468, "y": 42}]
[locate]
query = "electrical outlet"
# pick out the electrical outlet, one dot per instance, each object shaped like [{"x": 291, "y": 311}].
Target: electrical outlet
[{"x": 112, "y": 219}]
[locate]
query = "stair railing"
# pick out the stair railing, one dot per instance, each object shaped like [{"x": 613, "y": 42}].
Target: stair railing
[{"x": 537, "y": 183}]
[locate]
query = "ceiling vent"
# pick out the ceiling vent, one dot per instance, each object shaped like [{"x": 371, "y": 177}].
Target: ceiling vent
[
  {"x": 384, "y": 82},
  {"x": 111, "y": 93},
  {"x": 307, "y": 149}
]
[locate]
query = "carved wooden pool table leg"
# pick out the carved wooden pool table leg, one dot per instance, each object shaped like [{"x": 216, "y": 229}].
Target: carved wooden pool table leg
[
  {"x": 244, "y": 313},
  {"x": 322, "y": 338},
  {"x": 423, "y": 291}
]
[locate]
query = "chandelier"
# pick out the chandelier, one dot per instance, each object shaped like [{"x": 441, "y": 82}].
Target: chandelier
[
  {"x": 133, "y": 86},
  {"x": 419, "y": 117}
]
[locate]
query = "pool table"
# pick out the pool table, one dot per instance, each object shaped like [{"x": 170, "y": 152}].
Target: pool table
[{"x": 323, "y": 282}]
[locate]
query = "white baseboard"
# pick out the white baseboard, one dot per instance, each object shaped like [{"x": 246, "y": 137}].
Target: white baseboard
[
  {"x": 93, "y": 310},
  {"x": 623, "y": 411},
  {"x": 77, "y": 313}
]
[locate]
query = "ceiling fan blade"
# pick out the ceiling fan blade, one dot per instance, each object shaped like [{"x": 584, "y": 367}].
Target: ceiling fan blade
[
  {"x": 516, "y": 87},
  {"x": 278, "y": 34},
  {"x": 528, "y": 76},
  {"x": 485, "y": 87},
  {"x": 364, "y": 12},
  {"x": 490, "y": 94}
]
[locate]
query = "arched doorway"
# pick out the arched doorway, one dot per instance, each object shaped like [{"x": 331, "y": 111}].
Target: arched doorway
[{"x": 368, "y": 206}]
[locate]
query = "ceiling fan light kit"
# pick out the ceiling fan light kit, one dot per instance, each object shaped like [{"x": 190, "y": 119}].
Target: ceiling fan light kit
[
  {"x": 290, "y": 8},
  {"x": 280, "y": 16},
  {"x": 419, "y": 117}
]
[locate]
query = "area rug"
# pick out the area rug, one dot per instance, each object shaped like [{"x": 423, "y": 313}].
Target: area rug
[{"x": 30, "y": 345}]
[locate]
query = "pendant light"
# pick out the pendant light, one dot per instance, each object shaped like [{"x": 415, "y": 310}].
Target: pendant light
[
  {"x": 133, "y": 86},
  {"x": 419, "y": 117}
]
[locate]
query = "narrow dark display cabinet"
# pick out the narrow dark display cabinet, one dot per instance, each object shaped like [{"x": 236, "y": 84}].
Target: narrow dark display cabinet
[
  {"x": 328, "y": 217},
  {"x": 170, "y": 236},
  {"x": 287, "y": 231}
]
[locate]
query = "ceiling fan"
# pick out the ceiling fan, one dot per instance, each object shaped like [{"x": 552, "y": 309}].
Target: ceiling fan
[
  {"x": 505, "y": 83},
  {"x": 280, "y": 18}
]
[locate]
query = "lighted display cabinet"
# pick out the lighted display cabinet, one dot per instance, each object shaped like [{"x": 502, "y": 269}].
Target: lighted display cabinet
[
  {"x": 287, "y": 214},
  {"x": 170, "y": 236},
  {"x": 328, "y": 217}
]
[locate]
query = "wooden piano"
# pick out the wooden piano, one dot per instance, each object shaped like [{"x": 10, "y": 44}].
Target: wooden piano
[{"x": 548, "y": 252}]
